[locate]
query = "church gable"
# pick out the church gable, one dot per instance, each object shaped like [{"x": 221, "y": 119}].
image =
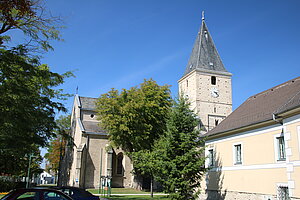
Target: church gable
[{"x": 88, "y": 116}]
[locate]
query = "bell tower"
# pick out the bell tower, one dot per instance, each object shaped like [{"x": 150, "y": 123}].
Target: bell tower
[{"x": 206, "y": 83}]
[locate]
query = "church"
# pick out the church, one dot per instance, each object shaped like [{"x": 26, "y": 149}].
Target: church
[
  {"x": 205, "y": 82},
  {"x": 251, "y": 153}
]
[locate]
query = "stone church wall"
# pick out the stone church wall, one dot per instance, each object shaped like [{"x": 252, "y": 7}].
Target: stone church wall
[{"x": 93, "y": 163}]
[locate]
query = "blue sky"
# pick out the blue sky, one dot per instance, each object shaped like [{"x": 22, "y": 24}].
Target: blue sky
[{"x": 118, "y": 43}]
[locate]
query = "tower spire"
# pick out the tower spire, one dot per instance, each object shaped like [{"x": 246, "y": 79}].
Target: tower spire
[{"x": 204, "y": 56}]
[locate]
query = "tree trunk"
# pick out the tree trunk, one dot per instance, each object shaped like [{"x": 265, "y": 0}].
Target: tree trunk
[{"x": 151, "y": 186}]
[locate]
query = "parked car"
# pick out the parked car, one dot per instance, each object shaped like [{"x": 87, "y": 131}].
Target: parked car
[
  {"x": 76, "y": 193},
  {"x": 36, "y": 194}
]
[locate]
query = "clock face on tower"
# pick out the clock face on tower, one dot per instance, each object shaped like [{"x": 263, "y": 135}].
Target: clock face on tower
[{"x": 214, "y": 92}]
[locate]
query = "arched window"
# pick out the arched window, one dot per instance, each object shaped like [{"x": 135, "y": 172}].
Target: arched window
[
  {"x": 213, "y": 80},
  {"x": 120, "y": 164}
]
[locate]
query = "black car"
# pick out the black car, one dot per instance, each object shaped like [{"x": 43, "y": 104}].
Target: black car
[
  {"x": 76, "y": 193},
  {"x": 36, "y": 194}
]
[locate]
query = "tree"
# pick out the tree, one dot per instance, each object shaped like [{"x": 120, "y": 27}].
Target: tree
[
  {"x": 57, "y": 146},
  {"x": 30, "y": 17},
  {"x": 54, "y": 149},
  {"x": 179, "y": 154},
  {"x": 145, "y": 163},
  {"x": 28, "y": 103},
  {"x": 135, "y": 118}
]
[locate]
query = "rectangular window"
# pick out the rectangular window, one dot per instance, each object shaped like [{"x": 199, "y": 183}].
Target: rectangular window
[
  {"x": 283, "y": 193},
  {"x": 238, "y": 153},
  {"x": 213, "y": 80},
  {"x": 281, "y": 148},
  {"x": 211, "y": 158}
]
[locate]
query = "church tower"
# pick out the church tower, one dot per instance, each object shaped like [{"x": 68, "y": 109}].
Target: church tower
[{"x": 206, "y": 83}]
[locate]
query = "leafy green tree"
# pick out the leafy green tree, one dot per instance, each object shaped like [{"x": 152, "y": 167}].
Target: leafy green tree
[
  {"x": 31, "y": 18},
  {"x": 135, "y": 118},
  {"x": 145, "y": 163},
  {"x": 28, "y": 103},
  {"x": 19, "y": 166},
  {"x": 179, "y": 154}
]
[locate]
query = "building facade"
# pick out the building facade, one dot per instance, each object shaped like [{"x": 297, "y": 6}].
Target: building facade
[
  {"x": 92, "y": 159},
  {"x": 252, "y": 153},
  {"x": 255, "y": 152}
]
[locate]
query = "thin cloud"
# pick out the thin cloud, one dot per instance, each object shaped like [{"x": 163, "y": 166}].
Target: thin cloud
[{"x": 132, "y": 78}]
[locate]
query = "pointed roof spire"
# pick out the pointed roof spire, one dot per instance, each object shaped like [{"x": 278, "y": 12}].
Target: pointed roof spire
[{"x": 204, "y": 56}]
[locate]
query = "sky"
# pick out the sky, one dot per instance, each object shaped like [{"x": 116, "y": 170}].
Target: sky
[{"x": 119, "y": 43}]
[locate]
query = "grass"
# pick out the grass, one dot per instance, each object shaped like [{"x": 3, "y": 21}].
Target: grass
[
  {"x": 127, "y": 197},
  {"x": 145, "y": 196},
  {"x": 120, "y": 191}
]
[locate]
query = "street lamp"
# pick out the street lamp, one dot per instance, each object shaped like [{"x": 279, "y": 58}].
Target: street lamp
[{"x": 28, "y": 172}]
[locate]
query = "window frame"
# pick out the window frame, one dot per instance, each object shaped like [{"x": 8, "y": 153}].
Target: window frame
[
  {"x": 281, "y": 186},
  {"x": 281, "y": 153},
  {"x": 211, "y": 158},
  {"x": 277, "y": 150},
  {"x": 237, "y": 161},
  {"x": 213, "y": 80}
]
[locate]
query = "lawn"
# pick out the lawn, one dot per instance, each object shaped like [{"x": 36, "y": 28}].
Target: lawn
[
  {"x": 121, "y": 191},
  {"x": 145, "y": 196},
  {"x": 139, "y": 194}
]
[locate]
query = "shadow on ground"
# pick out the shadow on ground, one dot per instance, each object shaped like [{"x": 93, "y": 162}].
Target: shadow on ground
[{"x": 136, "y": 198}]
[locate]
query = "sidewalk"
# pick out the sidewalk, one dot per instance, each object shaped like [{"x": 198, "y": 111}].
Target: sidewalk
[{"x": 156, "y": 194}]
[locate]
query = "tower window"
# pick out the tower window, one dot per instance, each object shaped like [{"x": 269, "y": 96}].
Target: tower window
[
  {"x": 216, "y": 122},
  {"x": 187, "y": 83},
  {"x": 215, "y": 109},
  {"x": 213, "y": 80}
]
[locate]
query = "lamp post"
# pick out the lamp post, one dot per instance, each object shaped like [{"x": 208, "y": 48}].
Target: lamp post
[{"x": 28, "y": 171}]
